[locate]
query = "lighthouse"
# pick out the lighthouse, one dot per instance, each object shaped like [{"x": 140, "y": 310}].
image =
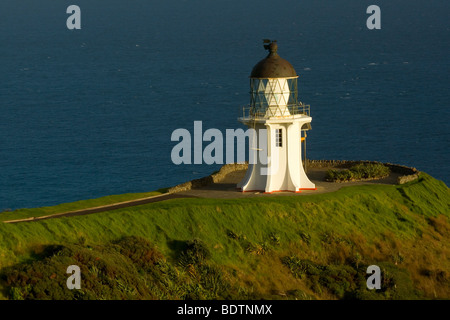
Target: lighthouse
[{"x": 279, "y": 123}]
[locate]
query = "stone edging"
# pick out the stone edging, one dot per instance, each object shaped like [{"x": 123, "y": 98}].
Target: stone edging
[
  {"x": 407, "y": 173},
  {"x": 213, "y": 178}
]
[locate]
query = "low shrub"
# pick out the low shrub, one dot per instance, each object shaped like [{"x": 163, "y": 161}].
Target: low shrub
[
  {"x": 105, "y": 275},
  {"x": 360, "y": 171},
  {"x": 130, "y": 268},
  {"x": 140, "y": 251},
  {"x": 347, "y": 281},
  {"x": 195, "y": 252}
]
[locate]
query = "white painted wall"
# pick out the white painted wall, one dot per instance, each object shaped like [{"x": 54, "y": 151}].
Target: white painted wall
[{"x": 285, "y": 171}]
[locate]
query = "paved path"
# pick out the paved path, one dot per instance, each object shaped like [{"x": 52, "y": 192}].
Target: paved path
[
  {"x": 225, "y": 189},
  {"x": 109, "y": 207}
]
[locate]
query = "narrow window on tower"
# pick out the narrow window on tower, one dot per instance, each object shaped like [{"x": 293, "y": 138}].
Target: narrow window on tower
[{"x": 278, "y": 137}]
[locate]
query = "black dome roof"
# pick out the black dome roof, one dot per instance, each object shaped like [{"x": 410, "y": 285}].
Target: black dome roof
[{"x": 273, "y": 66}]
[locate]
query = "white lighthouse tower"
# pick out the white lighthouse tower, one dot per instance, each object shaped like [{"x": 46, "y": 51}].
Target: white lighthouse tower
[{"x": 280, "y": 123}]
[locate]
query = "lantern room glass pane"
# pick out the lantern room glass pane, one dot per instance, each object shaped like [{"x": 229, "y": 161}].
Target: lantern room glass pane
[{"x": 273, "y": 97}]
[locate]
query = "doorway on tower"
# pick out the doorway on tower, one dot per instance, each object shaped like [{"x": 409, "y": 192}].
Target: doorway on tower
[{"x": 303, "y": 135}]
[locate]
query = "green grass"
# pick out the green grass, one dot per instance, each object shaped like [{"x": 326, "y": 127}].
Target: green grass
[
  {"x": 72, "y": 206},
  {"x": 405, "y": 227}
]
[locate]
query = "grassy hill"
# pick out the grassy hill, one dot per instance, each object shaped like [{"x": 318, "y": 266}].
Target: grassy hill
[{"x": 286, "y": 247}]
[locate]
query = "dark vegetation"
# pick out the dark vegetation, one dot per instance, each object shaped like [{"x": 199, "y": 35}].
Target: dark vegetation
[
  {"x": 348, "y": 281},
  {"x": 131, "y": 268},
  {"x": 362, "y": 171}
]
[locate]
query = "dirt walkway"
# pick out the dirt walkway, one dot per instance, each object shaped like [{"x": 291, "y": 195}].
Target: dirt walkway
[
  {"x": 108, "y": 207},
  {"x": 225, "y": 189}
]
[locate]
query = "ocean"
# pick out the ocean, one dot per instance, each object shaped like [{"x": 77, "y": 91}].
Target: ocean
[{"x": 88, "y": 113}]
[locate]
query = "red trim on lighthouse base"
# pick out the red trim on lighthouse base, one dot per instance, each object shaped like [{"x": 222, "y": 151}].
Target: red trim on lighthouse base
[{"x": 298, "y": 191}]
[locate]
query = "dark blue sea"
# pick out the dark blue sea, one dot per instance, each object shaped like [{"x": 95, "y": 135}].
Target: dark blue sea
[{"x": 88, "y": 113}]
